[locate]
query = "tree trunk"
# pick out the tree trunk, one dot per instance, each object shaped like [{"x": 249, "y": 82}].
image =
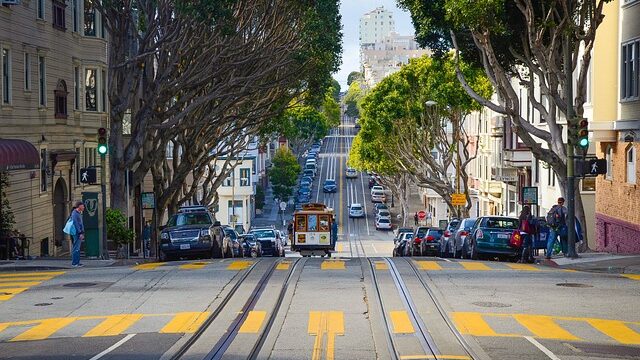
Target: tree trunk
[{"x": 116, "y": 169}]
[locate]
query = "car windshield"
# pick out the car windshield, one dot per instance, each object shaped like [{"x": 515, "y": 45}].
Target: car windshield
[
  {"x": 248, "y": 237},
  {"x": 230, "y": 233},
  {"x": 356, "y": 207},
  {"x": 468, "y": 223},
  {"x": 453, "y": 225},
  {"x": 189, "y": 219},
  {"x": 264, "y": 233},
  {"x": 329, "y": 182},
  {"x": 383, "y": 220},
  {"x": 377, "y": 193},
  {"x": 384, "y": 213},
  {"x": 421, "y": 232},
  {"x": 501, "y": 223},
  {"x": 435, "y": 232}
]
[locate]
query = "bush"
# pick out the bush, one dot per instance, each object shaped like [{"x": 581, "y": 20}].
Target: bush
[
  {"x": 117, "y": 229},
  {"x": 259, "y": 197}
]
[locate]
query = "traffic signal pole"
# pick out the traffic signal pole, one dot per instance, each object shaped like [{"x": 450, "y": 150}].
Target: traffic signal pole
[
  {"x": 103, "y": 149},
  {"x": 571, "y": 142}
]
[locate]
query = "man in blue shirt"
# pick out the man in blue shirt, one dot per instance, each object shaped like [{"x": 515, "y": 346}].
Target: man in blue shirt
[{"x": 78, "y": 238}]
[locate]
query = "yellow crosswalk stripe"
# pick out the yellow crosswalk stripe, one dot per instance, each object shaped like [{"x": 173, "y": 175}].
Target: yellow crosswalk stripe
[
  {"x": 428, "y": 265},
  {"x": 12, "y": 284},
  {"x": 194, "y": 266},
  {"x": 332, "y": 265},
  {"x": 20, "y": 284},
  {"x": 148, "y": 266},
  {"x": 474, "y": 266},
  {"x": 381, "y": 265},
  {"x": 8, "y": 293},
  {"x": 239, "y": 265},
  {"x": 339, "y": 247},
  {"x": 401, "y": 322},
  {"x": 544, "y": 327},
  {"x": 632, "y": 276},
  {"x": 114, "y": 325},
  {"x": 616, "y": 330},
  {"x": 523, "y": 267},
  {"x": 283, "y": 265},
  {"x": 44, "y": 329},
  {"x": 469, "y": 323},
  {"x": 253, "y": 322},
  {"x": 48, "y": 274},
  {"x": 186, "y": 322}
]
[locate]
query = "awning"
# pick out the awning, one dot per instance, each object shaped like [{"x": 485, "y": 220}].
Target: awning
[{"x": 18, "y": 155}]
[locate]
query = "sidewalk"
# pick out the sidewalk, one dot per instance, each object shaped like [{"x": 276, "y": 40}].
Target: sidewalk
[
  {"x": 597, "y": 262},
  {"x": 65, "y": 263},
  {"x": 270, "y": 210}
]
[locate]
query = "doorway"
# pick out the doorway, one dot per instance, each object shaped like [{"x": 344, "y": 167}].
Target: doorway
[{"x": 60, "y": 213}]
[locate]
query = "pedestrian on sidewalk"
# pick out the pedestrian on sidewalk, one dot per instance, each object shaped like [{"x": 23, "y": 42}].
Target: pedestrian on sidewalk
[
  {"x": 557, "y": 221},
  {"x": 146, "y": 238},
  {"x": 78, "y": 238},
  {"x": 415, "y": 219},
  {"x": 526, "y": 232}
]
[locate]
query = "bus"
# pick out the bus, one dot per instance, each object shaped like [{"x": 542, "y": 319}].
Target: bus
[{"x": 315, "y": 230}]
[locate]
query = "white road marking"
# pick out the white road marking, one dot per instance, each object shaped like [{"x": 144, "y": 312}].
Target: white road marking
[
  {"x": 542, "y": 348},
  {"x": 113, "y": 347},
  {"x": 374, "y": 248}
]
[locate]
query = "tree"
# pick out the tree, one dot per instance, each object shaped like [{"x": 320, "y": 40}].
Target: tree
[
  {"x": 284, "y": 173},
  {"x": 7, "y": 219},
  {"x": 522, "y": 43},
  {"x": 402, "y": 135},
  {"x": 354, "y": 76},
  {"x": 189, "y": 68},
  {"x": 335, "y": 90},
  {"x": 352, "y": 99}
]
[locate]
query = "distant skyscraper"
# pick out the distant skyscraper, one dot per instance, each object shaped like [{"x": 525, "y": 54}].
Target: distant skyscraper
[{"x": 375, "y": 25}]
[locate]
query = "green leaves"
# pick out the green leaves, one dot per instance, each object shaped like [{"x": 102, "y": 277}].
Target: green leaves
[
  {"x": 117, "y": 229},
  {"x": 284, "y": 173}
]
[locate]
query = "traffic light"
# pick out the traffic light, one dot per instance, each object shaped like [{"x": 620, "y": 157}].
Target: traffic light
[
  {"x": 103, "y": 147},
  {"x": 583, "y": 134}
]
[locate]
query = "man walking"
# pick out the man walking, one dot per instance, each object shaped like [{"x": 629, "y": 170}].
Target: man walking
[
  {"x": 415, "y": 219},
  {"x": 78, "y": 238},
  {"x": 557, "y": 221}
]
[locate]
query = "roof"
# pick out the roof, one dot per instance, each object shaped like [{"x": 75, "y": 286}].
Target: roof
[{"x": 18, "y": 154}]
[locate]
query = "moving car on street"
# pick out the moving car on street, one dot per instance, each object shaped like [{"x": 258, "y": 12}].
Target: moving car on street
[
  {"x": 356, "y": 211},
  {"x": 270, "y": 242},
  {"x": 351, "y": 173},
  {"x": 329, "y": 186},
  {"x": 490, "y": 237},
  {"x": 383, "y": 224}
]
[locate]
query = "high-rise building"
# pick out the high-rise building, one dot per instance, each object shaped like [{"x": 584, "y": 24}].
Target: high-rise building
[{"x": 375, "y": 25}]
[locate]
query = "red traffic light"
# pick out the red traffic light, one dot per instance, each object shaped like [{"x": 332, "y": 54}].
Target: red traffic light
[
  {"x": 102, "y": 131},
  {"x": 584, "y": 123}
]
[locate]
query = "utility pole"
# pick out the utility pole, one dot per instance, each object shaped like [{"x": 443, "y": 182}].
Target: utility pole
[
  {"x": 457, "y": 140},
  {"x": 571, "y": 141},
  {"x": 103, "y": 149}
]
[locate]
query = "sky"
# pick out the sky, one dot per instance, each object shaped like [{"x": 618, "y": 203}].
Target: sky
[{"x": 351, "y": 11}]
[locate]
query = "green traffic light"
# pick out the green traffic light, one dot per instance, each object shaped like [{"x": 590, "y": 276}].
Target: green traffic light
[
  {"x": 102, "y": 149},
  {"x": 584, "y": 143}
]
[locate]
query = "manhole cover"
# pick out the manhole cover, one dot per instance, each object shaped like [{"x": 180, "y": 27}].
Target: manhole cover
[
  {"x": 57, "y": 298},
  {"x": 43, "y": 304},
  {"x": 80, "y": 285},
  {"x": 491, "y": 304},
  {"x": 574, "y": 285}
]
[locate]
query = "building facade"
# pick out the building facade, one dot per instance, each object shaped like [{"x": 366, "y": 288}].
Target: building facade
[
  {"x": 53, "y": 95},
  {"x": 375, "y": 25},
  {"x": 616, "y": 127}
]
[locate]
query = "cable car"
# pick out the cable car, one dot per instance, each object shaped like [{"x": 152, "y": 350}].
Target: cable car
[{"x": 315, "y": 230}]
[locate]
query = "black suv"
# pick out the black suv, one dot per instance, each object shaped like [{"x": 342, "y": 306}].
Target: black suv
[{"x": 192, "y": 232}]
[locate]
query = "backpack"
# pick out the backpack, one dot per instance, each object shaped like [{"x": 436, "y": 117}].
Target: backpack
[{"x": 555, "y": 217}]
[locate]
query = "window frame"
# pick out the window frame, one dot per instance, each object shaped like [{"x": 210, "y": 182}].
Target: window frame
[
  {"x": 631, "y": 174},
  {"x": 42, "y": 81},
  {"x": 58, "y": 15},
  {"x": 76, "y": 15},
  {"x": 629, "y": 70},
  {"x": 7, "y": 83},
  {"x": 90, "y": 10},
  {"x": 76, "y": 88},
  {"x": 43, "y": 171},
  {"x": 246, "y": 171},
  {"x": 60, "y": 100},
  {"x": 608, "y": 155},
  {"x": 94, "y": 89},
  {"x": 27, "y": 71},
  {"x": 40, "y": 9}
]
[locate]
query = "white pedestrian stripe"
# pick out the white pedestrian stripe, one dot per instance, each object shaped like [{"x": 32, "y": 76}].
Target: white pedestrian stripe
[
  {"x": 542, "y": 348},
  {"x": 113, "y": 347}
]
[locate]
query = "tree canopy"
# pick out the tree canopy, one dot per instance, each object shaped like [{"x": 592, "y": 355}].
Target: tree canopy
[{"x": 284, "y": 173}]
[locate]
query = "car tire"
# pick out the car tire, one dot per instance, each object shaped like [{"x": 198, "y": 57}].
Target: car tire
[{"x": 474, "y": 251}]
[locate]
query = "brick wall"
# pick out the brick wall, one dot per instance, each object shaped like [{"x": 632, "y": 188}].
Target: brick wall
[{"x": 617, "y": 202}]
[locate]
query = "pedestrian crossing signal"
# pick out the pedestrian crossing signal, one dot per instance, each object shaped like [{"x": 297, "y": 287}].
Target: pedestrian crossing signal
[
  {"x": 88, "y": 175},
  {"x": 103, "y": 147}
]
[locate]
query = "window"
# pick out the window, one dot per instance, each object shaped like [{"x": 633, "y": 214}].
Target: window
[
  {"x": 59, "y": 20},
  {"x": 629, "y": 70},
  {"x": 43, "y": 170},
  {"x": 6, "y": 76},
  {"x": 90, "y": 89},
  {"x": 76, "y": 88},
  {"x": 27, "y": 72},
  {"x": 60, "y": 104},
  {"x": 536, "y": 174},
  {"x": 229, "y": 180},
  {"x": 42, "y": 81},
  {"x": 89, "y": 157},
  {"x": 89, "y": 19},
  {"x": 244, "y": 177},
  {"x": 75, "y": 11},
  {"x": 609, "y": 157},
  {"x": 40, "y": 9},
  {"x": 631, "y": 164},
  {"x": 588, "y": 184},
  {"x": 103, "y": 88}
]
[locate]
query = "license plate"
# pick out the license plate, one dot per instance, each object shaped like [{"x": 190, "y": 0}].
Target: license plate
[
  {"x": 185, "y": 246},
  {"x": 503, "y": 236}
]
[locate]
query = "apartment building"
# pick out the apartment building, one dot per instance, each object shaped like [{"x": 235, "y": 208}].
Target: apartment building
[
  {"x": 616, "y": 127},
  {"x": 53, "y": 98},
  {"x": 375, "y": 25}
]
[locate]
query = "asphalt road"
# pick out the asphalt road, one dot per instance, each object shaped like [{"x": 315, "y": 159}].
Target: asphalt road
[{"x": 360, "y": 304}]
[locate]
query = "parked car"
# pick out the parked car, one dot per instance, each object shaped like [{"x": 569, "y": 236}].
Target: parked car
[
  {"x": 383, "y": 224},
  {"x": 490, "y": 235},
  {"x": 383, "y": 213},
  {"x": 458, "y": 241},
  {"x": 250, "y": 245},
  {"x": 377, "y": 188},
  {"x": 430, "y": 244},
  {"x": 445, "y": 248},
  {"x": 310, "y": 173},
  {"x": 284, "y": 237},
  {"x": 379, "y": 206},
  {"x": 400, "y": 244},
  {"x": 372, "y": 182},
  {"x": 378, "y": 196},
  {"x": 403, "y": 230},
  {"x": 189, "y": 233},
  {"x": 235, "y": 245},
  {"x": 311, "y": 167},
  {"x": 329, "y": 186},
  {"x": 413, "y": 247},
  {"x": 303, "y": 199},
  {"x": 306, "y": 182},
  {"x": 269, "y": 241},
  {"x": 351, "y": 173},
  {"x": 356, "y": 211}
]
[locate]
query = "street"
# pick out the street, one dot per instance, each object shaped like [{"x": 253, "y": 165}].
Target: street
[{"x": 359, "y": 304}]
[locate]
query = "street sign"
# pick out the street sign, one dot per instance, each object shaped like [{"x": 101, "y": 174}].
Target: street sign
[
  {"x": 88, "y": 176},
  {"x": 592, "y": 167},
  {"x": 422, "y": 214},
  {"x": 529, "y": 195},
  {"x": 148, "y": 200},
  {"x": 458, "y": 199},
  {"x": 283, "y": 206}
]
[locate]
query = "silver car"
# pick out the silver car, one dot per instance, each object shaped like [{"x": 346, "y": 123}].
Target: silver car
[{"x": 459, "y": 238}]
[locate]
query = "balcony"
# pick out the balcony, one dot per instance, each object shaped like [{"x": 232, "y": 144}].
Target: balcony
[
  {"x": 518, "y": 157},
  {"x": 497, "y": 127}
]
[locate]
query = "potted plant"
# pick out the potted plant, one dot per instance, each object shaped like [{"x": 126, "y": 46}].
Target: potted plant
[{"x": 119, "y": 232}]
